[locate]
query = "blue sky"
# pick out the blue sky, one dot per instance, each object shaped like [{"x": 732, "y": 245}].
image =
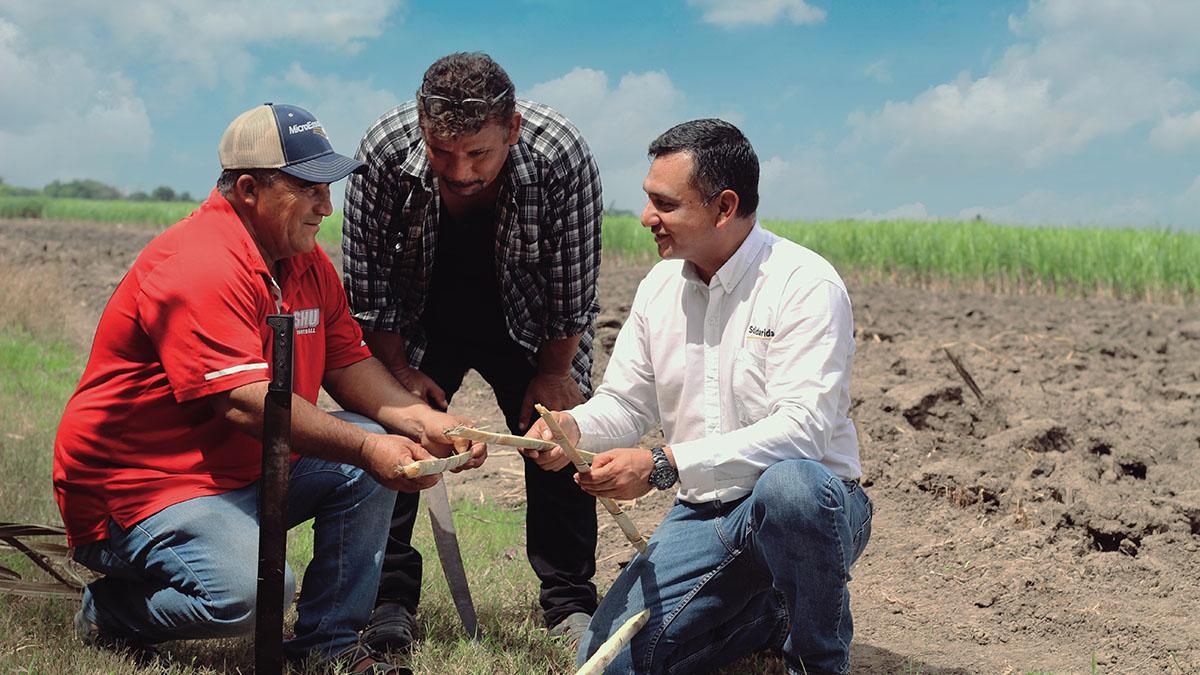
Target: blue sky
[{"x": 1039, "y": 112}]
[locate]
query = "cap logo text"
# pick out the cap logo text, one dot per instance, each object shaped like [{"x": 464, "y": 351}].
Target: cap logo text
[{"x": 313, "y": 126}]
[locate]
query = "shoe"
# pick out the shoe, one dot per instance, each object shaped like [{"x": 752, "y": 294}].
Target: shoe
[
  {"x": 392, "y": 628},
  {"x": 358, "y": 659},
  {"x": 93, "y": 636},
  {"x": 572, "y": 628}
]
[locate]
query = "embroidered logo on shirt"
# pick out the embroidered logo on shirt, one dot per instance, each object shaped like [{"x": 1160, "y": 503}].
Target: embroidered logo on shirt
[
  {"x": 759, "y": 333},
  {"x": 307, "y": 320}
]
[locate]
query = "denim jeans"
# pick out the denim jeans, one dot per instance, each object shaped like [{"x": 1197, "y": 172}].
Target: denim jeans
[
  {"x": 724, "y": 580},
  {"x": 190, "y": 570}
]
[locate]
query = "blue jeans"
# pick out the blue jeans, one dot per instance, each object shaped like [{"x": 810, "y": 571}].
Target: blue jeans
[
  {"x": 724, "y": 580},
  {"x": 190, "y": 570}
]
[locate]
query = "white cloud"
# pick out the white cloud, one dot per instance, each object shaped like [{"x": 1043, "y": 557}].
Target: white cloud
[
  {"x": 345, "y": 107},
  {"x": 1184, "y": 208},
  {"x": 202, "y": 44},
  {"x": 1087, "y": 70},
  {"x": 83, "y": 80},
  {"x": 70, "y": 120},
  {"x": 799, "y": 185},
  {"x": 915, "y": 211},
  {"x": 880, "y": 71},
  {"x": 617, "y": 122},
  {"x": 1050, "y": 207},
  {"x": 744, "y": 12},
  {"x": 1177, "y": 133}
]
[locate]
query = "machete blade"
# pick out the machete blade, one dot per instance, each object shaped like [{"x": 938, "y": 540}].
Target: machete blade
[{"x": 450, "y": 556}]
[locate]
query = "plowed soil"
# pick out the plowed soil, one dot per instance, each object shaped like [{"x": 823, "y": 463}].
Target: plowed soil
[{"x": 1047, "y": 520}]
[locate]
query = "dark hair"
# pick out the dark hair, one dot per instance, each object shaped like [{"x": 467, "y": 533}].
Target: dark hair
[
  {"x": 466, "y": 75},
  {"x": 722, "y": 159},
  {"x": 227, "y": 181}
]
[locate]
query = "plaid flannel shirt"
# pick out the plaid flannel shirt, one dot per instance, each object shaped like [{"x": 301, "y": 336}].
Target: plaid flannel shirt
[{"x": 547, "y": 239}]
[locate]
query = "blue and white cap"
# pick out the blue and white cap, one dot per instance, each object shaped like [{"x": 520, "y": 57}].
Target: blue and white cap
[{"x": 284, "y": 137}]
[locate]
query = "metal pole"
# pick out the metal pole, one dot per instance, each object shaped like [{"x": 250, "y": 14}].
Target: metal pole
[{"x": 272, "y": 500}]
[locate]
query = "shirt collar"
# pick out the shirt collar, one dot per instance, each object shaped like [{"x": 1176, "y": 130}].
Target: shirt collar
[
  {"x": 416, "y": 164},
  {"x": 236, "y": 231},
  {"x": 293, "y": 266},
  {"x": 734, "y": 269}
]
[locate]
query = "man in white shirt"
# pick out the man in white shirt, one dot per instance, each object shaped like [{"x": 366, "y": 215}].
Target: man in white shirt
[{"x": 741, "y": 343}]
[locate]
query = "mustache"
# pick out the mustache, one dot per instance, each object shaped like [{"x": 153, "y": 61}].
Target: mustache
[{"x": 466, "y": 184}]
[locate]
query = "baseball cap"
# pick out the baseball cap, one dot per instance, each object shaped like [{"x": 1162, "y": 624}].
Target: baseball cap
[{"x": 284, "y": 137}]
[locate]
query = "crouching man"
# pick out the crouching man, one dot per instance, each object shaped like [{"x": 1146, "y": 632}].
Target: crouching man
[{"x": 158, "y": 455}]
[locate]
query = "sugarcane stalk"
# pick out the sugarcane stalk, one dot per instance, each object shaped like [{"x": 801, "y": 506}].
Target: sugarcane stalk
[
  {"x": 583, "y": 466},
  {"x": 614, "y": 644},
  {"x": 493, "y": 438}
]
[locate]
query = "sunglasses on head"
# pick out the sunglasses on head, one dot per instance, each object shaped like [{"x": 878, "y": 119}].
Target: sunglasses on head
[{"x": 471, "y": 108}]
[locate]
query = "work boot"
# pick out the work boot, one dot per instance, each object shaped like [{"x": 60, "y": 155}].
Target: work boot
[
  {"x": 392, "y": 628},
  {"x": 572, "y": 628},
  {"x": 94, "y": 636}
]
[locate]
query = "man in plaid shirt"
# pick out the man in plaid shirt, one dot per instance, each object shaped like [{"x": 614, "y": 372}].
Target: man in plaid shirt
[{"x": 473, "y": 241}]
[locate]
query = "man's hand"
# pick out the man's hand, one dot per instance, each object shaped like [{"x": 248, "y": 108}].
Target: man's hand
[
  {"x": 421, "y": 385},
  {"x": 556, "y": 392},
  {"x": 620, "y": 473},
  {"x": 381, "y": 454},
  {"x": 552, "y": 460},
  {"x": 433, "y": 438}
]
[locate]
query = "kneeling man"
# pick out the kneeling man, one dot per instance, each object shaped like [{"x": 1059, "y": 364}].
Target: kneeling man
[
  {"x": 741, "y": 343},
  {"x": 158, "y": 455}
]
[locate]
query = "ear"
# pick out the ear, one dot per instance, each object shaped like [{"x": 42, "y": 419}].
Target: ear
[
  {"x": 514, "y": 129},
  {"x": 727, "y": 204},
  {"x": 246, "y": 189}
]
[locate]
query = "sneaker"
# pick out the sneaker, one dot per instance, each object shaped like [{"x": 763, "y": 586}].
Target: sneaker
[
  {"x": 572, "y": 628},
  {"x": 392, "y": 628},
  {"x": 93, "y": 636}
]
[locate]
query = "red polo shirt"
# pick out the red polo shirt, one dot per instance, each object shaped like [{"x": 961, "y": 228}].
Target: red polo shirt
[{"x": 188, "y": 320}]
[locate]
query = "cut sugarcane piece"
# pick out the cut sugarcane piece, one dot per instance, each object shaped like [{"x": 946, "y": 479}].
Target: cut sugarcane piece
[
  {"x": 614, "y": 644},
  {"x": 582, "y": 466},
  {"x": 493, "y": 438},
  {"x": 428, "y": 467}
]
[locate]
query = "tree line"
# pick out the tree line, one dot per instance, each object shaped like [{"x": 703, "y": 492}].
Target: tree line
[{"x": 94, "y": 189}]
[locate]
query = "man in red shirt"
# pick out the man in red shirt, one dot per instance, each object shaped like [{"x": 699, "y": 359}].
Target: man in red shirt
[{"x": 158, "y": 454}]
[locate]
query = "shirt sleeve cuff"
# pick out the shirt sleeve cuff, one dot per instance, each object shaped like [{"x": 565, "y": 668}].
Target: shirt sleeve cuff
[
  {"x": 558, "y": 328},
  {"x": 694, "y": 461},
  {"x": 382, "y": 320}
]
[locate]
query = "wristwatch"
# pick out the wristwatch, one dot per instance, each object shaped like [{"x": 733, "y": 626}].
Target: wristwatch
[{"x": 664, "y": 475}]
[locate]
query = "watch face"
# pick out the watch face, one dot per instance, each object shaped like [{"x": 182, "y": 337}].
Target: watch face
[
  {"x": 662, "y": 478},
  {"x": 663, "y": 475}
]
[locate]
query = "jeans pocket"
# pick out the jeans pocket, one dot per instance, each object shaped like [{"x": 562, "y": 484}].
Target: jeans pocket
[{"x": 864, "y": 511}]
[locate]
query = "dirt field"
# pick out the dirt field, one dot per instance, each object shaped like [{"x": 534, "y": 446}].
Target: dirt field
[{"x": 1051, "y": 524}]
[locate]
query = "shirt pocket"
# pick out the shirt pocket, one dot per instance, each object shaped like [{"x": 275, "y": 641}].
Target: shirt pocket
[{"x": 749, "y": 379}]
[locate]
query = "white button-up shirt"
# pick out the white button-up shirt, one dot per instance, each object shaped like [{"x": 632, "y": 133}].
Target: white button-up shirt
[{"x": 750, "y": 369}]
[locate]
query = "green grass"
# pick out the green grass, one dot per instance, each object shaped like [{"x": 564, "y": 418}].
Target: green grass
[
  {"x": 23, "y": 206},
  {"x": 625, "y": 237},
  {"x": 35, "y": 380},
  {"x": 95, "y": 210},
  {"x": 1132, "y": 264}
]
